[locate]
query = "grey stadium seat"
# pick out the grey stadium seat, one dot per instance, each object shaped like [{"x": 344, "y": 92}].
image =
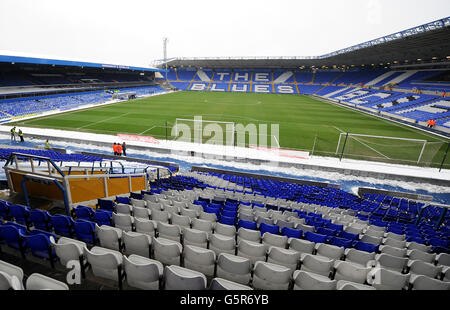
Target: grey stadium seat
[{"x": 179, "y": 278}]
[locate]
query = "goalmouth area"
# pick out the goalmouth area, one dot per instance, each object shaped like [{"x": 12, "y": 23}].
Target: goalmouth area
[{"x": 297, "y": 122}]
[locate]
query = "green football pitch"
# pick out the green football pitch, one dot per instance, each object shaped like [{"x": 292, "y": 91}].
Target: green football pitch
[{"x": 304, "y": 123}]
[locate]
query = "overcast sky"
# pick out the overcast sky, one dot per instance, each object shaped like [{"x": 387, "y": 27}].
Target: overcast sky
[{"x": 130, "y": 32}]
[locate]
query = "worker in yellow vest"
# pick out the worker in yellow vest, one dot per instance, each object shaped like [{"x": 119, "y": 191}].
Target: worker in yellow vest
[
  {"x": 47, "y": 145},
  {"x": 13, "y": 133},
  {"x": 21, "y": 135}
]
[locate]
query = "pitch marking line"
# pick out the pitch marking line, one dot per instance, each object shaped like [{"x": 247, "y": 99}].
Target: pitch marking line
[
  {"x": 146, "y": 130},
  {"x": 86, "y": 131},
  {"x": 338, "y": 129},
  {"x": 104, "y": 120}
]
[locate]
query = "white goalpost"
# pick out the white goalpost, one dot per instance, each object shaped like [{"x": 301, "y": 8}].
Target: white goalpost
[{"x": 382, "y": 147}]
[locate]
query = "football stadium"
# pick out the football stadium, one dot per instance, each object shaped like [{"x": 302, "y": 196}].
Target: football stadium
[{"x": 260, "y": 173}]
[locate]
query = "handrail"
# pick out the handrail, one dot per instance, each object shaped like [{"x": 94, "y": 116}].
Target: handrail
[
  {"x": 83, "y": 168},
  {"x": 157, "y": 170},
  {"x": 103, "y": 176},
  {"x": 146, "y": 168},
  {"x": 123, "y": 168},
  {"x": 30, "y": 156},
  {"x": 29, "y": 168},
  {"x": 109, "y": 170}
]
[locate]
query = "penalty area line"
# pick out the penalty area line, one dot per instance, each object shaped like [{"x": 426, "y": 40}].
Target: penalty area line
[{"x": 141, "y": 133}]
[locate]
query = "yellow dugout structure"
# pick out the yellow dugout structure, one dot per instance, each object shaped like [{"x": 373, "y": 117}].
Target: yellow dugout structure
[{"x": 41, "y": 177}]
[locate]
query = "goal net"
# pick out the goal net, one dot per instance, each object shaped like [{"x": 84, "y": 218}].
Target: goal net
[
  {"x": 202, "y": 131},
  {"x": 387, "y": 149},
  {"x": 198, "y": 130},
  {"x": 124, "y": 96}
]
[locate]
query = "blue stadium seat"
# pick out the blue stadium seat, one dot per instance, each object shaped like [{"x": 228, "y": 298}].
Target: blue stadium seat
[
  {"x": 207, "y": 200},
  {"x": 41, "y": 219},
  {"x": 347, "y": 235},
  {"x": 85, "y": 231},
  {"x": 208, "y": 209},
  {"x": 218, "y": 201},
  {"x": 301, "y": 214},
  {"x": 43, "y": 232},
  {"x": 136, "y": 196},
  {"x": 84, "y": 213},
  {"x": 260, "y": 205},
  {"x": 103, "y": 217},
  {"x": 291, "y": 232},
  {"x": 416, "y": 239},
  {"x": 232, "y": 201},
  {"x": 20, "y": 227},
  {"x": 21, "y": 214},
  {"x": 394, "y": 230},
  {"x": 282, "y": 209},
  {"x": 200, "y": 203},
  {"x": 215, "y": 205},
  {"x": 247, "y": 224},
  {"x": 245, "y": 203},
  {"x": 124, "y": 200},
  {"x": 5, "y": 210},
  {"x": 439, "y": 250},
  {"x": 378, "y": 223},
  {"x": 271, "y": 207},
  {"x": 63, "y": 225},
  {"x": 314, "y": 237},
  {"x": 13, "y": 236},
  {"x": 326, "y": 231},
  {"x": 227, "y": 220},
  {"x": 273, "y": 229},
  {"x": 346, "y": 243},
  {"x": 106, "y": 204},
  {"x": 364, "y": 246},
  {"x": 228, "y": 207},
  {"x": 437, "y": 242},
  {"x": 313, "y": 222},
  {"x": 228, "y": 213},
  {"x": 336, "y": 227},
  {"x": 40, "y": 245}
]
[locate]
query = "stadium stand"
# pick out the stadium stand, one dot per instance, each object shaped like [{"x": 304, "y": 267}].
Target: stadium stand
[
  {"x": 418, "y": 235},
  {"x": 39, "y": 104},
  {"x": 368, "y": 88},
  {"x": 184, "y": 75},
  {"x": 54, "y": 155},
  {"x": 308, "y": 89},
  {"x": 322, "y": 77},
  {"x": 303, "y": 77},
  {"x": 209, "y": 230}
]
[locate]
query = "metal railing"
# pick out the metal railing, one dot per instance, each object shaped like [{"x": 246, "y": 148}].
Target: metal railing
[{"x": 51, "y": 173}]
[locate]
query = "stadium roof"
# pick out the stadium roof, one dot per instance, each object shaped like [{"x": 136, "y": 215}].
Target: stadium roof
[
  {"x": 425, "y": 42},
  {"x": 58, "y": 62}
]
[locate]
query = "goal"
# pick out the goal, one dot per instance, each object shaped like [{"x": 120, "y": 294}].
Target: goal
[
  {"x": 124, "y": 96},
  {"x": 198, "y": 130},
  {"x": 202, "y": 131},
  {"x": 387, "y": 149}
]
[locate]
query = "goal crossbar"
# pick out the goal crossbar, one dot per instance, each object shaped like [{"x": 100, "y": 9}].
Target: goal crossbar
[
  {"x": 383, "y": 137},
  {"x": 202, "y": 121}
]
